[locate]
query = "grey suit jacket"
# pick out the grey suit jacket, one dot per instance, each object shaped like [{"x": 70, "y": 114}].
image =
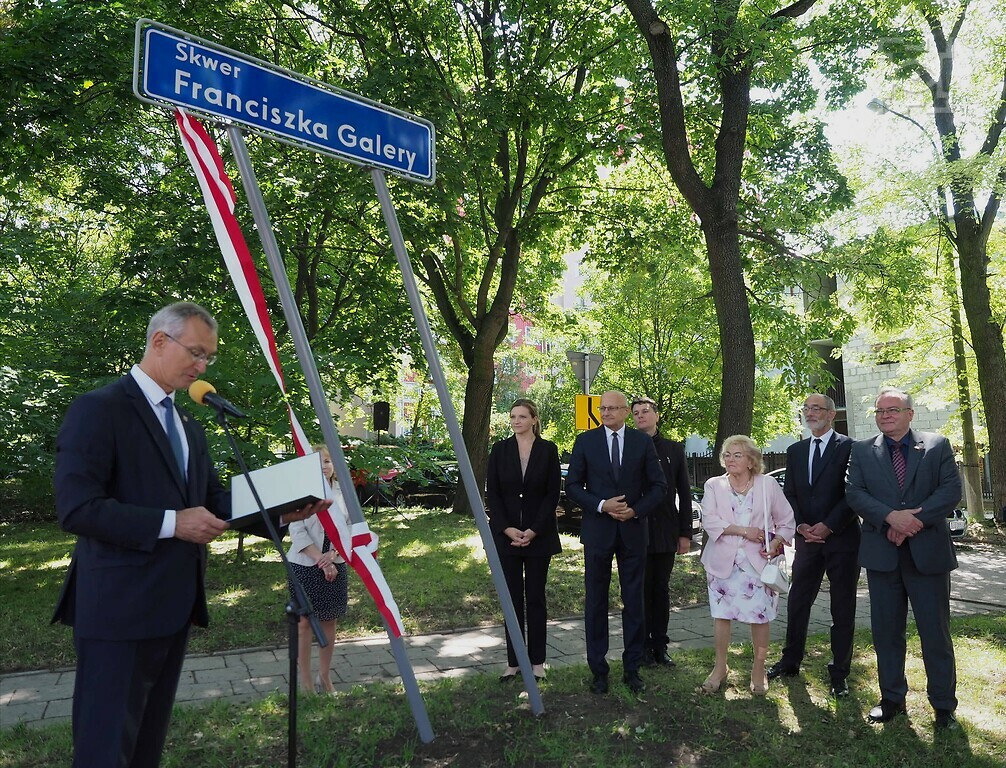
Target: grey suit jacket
[{"x": 932, "y": 482}]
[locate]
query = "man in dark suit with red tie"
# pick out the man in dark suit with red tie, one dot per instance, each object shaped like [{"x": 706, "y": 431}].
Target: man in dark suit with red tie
[
  {"x": 827, "y": 543},
  {"x": 135, "y": 483},
  {"x": 903, "y": 483},
  {"x": 615, "y": 477}
]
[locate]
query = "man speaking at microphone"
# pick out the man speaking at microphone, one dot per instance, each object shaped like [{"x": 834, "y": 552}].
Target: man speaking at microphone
[{"x": 135, "y": 484}]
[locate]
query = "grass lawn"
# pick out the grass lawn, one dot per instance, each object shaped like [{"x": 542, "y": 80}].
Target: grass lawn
[
  {"x": 480, "y": 723},
  {"x": 434, "y": 564},
  {"x": 433, "y": 561}
]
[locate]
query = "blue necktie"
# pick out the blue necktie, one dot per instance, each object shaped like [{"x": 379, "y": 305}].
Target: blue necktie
[
  {"x": 173, "y": 436},
  {"x": 616, "y": 458}
]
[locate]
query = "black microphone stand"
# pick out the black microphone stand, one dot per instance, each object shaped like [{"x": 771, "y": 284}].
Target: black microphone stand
[{"x": 299, "y": 606}]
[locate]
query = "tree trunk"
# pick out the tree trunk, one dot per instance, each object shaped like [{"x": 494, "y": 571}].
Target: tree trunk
[
  {"x": 987, "y": 340},
  {"x": 972, "y": 244},
  {"x": 736, "y": 334},
  {"x": 715, "y": 204},
  {"x": 970, "y": 464},
  {"x": 478, "y": 411}
]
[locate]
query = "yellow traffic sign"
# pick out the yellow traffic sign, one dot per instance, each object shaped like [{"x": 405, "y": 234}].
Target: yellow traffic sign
[{"x": 588, "y": 413}]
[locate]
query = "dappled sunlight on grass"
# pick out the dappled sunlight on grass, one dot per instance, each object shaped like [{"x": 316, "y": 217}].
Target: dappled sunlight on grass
[
  {"x": 414, "y": 549},
  {"x": 474, "y": 544},
  {"x": 230, "y": 596},
  {"x": 982, "y": 691}
]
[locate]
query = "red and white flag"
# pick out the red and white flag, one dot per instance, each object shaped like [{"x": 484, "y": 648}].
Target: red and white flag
[{"x": 357, "y": 546}]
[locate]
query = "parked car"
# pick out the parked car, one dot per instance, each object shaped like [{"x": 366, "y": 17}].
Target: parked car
[
  {"x": 779, "y": 475},
  {"x": 436, "y": 487},
  {"x": 570, "y": 516},
  {"x": 957, "y": 520},
  {"x": 696, "y": 511}
]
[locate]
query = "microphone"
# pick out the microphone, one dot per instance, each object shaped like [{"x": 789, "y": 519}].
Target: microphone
[{"x": 205, "y": 393}]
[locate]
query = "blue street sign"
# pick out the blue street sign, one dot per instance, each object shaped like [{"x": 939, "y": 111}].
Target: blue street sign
[{"x": 174, "y": 68}]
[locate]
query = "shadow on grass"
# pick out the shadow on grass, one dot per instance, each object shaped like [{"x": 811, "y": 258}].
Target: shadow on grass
[{"x": 479, "y": 723}]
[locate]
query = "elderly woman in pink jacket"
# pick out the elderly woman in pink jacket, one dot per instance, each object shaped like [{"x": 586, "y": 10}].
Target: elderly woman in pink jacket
[{"x": 733, "y": 515}]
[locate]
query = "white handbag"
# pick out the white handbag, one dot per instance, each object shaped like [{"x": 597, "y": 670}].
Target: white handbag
[{"x": 774, "y": 574}]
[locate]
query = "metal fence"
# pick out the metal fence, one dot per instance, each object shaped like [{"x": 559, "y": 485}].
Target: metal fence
[{"x": 702, "y": 467}]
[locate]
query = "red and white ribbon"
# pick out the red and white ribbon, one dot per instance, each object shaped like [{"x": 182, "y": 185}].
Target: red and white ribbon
[{"x": 359, "y": 545}]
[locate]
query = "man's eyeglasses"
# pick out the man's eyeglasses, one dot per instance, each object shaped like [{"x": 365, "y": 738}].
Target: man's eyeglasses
[
  {"x": 609, "y": 408},
  {"x": 890, "y": 411},
  {"x": 814, "y": 409},
  {"x": 198, "y": 356}
]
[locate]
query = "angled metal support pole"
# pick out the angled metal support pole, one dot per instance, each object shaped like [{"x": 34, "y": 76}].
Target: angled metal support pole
[
  {"x": 454, "y": 429},
  {"x": 318, "y": 399}
]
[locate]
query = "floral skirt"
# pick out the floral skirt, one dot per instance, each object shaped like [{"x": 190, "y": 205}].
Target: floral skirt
[{"x": 741, "y": 596}]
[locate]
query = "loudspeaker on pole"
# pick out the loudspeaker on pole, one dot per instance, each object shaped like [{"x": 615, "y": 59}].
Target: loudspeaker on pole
[{"x": 382, "y": 416}]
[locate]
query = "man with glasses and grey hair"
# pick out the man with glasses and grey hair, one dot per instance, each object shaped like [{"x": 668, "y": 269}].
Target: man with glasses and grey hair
[
  {"x": 135, "y": 484},
  {"x": 827, "y": 542},
  {"x": 903, "y": 483},
  {"x": 615, "y": 477}
]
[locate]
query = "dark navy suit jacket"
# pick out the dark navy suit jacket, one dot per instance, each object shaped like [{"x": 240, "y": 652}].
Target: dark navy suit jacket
[
  {"x": 590, "y": 481},
  {"x": 822, "y": 501},
  {"x": 115, "y": 475}
]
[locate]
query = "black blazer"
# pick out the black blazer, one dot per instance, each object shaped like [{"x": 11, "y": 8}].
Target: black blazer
[
  {"x": 590, "y": 481},
  {"x": 824, "y": 500},
  {"x": 670, "y": 521},
  {"x": 115, "y": 475},
  {"x": 527, "y": 501}
]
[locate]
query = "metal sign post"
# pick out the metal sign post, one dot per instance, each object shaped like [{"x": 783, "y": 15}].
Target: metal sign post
[
  {"x": 454, "y": 428},
  {"x": 585, "y": 367},
  {"x": 175, "y": 69},
  {"x": 292, "y": 314}
]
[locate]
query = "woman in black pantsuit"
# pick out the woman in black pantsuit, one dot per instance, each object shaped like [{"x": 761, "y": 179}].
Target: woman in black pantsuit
[{"x": 523, "y": 492}]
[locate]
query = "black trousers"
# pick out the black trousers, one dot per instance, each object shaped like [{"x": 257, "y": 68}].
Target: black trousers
[
  {"x": 657, "y": 598},
  {"x": 525, "y": 580},
  {"x": 810, "y": 565},
  {"x": 122, "y": 699}
]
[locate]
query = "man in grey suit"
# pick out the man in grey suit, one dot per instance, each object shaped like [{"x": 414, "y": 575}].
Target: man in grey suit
[
  {"x": 903, "y": 483},
  {"x": 615, "y": 477}
]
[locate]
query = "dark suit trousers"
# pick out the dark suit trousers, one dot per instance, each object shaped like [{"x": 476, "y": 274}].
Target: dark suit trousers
[
  {"x": 525, "y": 579},
  {"x": 657, "y": 598},
  {"x": 812, "y": 562},
  {"x": 929, "y": 594},
  {"x": 597, "y": 580},
  {"x": 122, "y": 700}
]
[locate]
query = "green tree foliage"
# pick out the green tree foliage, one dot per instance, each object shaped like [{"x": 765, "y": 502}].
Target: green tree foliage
[
  {"x": 724, "y": 102},
  {"x": 969, "y": 116},
  {"x": 653, "y": 316},
  {"x": 522, "y": 96},
  {"x": 102, "y": 223}
]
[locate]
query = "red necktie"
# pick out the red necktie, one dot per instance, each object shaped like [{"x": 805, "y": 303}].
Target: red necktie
[{"x": 898, "y": 462}]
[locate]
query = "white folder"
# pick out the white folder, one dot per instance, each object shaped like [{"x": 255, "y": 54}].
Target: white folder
[{"x": 284, "y": 487}]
